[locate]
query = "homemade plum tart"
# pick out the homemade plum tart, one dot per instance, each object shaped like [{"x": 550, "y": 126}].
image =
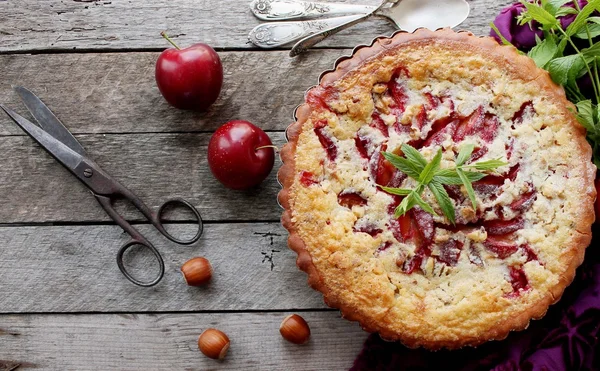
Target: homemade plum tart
[{"x": 424, "y": 278}]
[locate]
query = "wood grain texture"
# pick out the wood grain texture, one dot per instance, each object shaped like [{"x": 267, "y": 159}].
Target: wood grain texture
[
  {"x": 169, "y": 342},
  {"x": 42, "y": 25},
  {"x": 73, "y": 269},
  {"x": 35, "y": 188},
  {"x": 117, "y": 93}
]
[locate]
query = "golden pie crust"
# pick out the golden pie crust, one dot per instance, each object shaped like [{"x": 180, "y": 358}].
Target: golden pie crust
[{"x": 418, "y": 279}]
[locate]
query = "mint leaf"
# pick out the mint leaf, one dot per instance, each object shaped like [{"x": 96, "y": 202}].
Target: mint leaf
[
  {"x": 543, "y": 52},
  {"x": 450, "y": 177},
  {"x": 591, "y": 53},
  {"x": 489, "y": 164},
  {"x": 414, "y": 156},
  {"x": 464, "y": 154},
  {"x": 582, "y": 17},
  {"x": 473, "y": 176},
  {"x": 585, "y": 115},
  {"x": 565, "y": 11},
  {"x": 407, "y": 203},
  {"x": 593, "y": 29},
  {"x": 502, "y": 38},
  {"x": 562, "y": 44},
  {"x": 429, "y": 171},
  {"x": 424, "y": 205},
  {"x": 539, "y": 14},
  {"x": 443, "y": 200},
  {"x": 397, "y": 191},
  {"x": 402, "y": 164},
  {"x": 447, "y": 176},
  {"x": 468, "y": 187},
  {"x": 565, "y": 69},
  {"x": 552, "y": 6}
]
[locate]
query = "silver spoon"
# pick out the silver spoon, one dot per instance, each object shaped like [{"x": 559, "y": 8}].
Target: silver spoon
[
  {"x": 407, "y": 15},
  {"x": 279, "y": 10}
]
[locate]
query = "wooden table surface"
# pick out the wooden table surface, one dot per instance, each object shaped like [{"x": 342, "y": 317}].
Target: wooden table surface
[{"x": 64, "y": 305}]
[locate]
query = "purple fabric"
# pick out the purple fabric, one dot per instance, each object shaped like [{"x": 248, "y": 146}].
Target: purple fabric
[
  {"x": 565, "y": 339},
  {"x": 523, "y": 37}
]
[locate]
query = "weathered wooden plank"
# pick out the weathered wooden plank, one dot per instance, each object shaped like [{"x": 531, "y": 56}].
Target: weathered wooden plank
[
  {"x": 41, "y": 25},
  {"x": 117, "y": 93},
  {"x": 168, "y": 342},
  {"x": 73, "y": 269},
  {"x": 36, "y": 188}
]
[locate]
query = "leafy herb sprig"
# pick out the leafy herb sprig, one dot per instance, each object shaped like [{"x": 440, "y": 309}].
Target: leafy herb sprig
[
  {"x": 429, "y": 175},
  {"x": 565, "y": 65}
]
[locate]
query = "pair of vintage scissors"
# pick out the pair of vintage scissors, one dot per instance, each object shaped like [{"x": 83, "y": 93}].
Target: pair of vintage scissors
[{"x": 55, "y": 138}]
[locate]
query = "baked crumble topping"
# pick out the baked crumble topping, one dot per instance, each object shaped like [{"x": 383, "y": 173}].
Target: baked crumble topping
[{"x": 419, "y": 275}]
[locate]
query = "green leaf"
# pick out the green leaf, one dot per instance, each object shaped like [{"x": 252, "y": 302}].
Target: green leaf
[
  {"x": 447, "y": 176},
  {"x": 489, "y": 164},
  {"x": 593, "y": 29},
  {"x": 582, "y": 17},
  {"x": 429, "y": 171},
  {"x": 552, "y": 6},
  {"x": 565, "y": 11},
  {"x": 543, "y": 52},
  {"x": 565, "y": 69},
  {"x": 594, "y": 20},
  {"x": 414, "y": 156},
  {"x": 448, "y": 180},
  {"x": 502, "y": 38},
  {"x": 539, "y": 14},
  {"x": 407, "y": 203},
  {"x": 443, "y": 200},
  {"x": 468, "y": 187},
  {"x": 562, "y": 44},
  {"x": 585, "y": 115},
  {"x": 464, "y": 154},
  {"x": 450, "y": 177},
  {"x": 591, "y": 53},
  {"x": 424, "y": 205},
  {"x": 397, "y": 191},
  {"x": 402, "y": 164},
  {"x": 474, "y": 176}
]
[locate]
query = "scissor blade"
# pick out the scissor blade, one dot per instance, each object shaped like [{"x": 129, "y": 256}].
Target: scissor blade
[
  {"x": 48, "y": 121},
  {"x": 56, "y": 148}
]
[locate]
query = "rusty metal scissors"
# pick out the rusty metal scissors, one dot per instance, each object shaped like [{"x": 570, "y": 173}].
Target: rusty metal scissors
[{"x": 55, "y": 138}]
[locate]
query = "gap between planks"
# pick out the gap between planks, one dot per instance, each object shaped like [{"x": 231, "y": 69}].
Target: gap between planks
[
  {"x": 73, "y": 269},
  {"x": 169, "y": 341}
]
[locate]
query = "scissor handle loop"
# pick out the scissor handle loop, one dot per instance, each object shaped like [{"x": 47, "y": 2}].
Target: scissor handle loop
[
  {"x": 188, "y": 205},
  {"x": 134, "y": 280}
]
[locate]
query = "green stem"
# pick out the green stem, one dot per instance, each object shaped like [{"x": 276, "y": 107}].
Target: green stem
[
  {"x": 164, "y": 34},
  {"x": 594, "y": 85},
  {"x": 591, "y": 42}
]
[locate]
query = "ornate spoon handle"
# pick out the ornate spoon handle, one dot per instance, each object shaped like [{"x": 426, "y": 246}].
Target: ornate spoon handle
[
  {"x": 315, "y": 38},
  {"x": 278, "y": 10},
  {"x": 272, "y": 35}
]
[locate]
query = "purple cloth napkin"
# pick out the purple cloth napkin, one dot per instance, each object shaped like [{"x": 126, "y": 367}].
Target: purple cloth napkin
[{"x": 565, "y": 339}]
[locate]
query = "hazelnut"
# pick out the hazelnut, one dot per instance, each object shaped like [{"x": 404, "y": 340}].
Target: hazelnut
[
  {"x": 197, "y": 271},
  {"x": 213, "y": 343},
  {"x": 295, "y": 329}
]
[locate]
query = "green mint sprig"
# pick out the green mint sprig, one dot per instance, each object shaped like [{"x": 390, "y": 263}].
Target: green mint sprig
[
  {"x": 566, "y": 66},
  {"x": 430, "y": 175}
]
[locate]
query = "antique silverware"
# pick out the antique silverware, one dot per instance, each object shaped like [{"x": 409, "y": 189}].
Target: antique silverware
[
  {"x": 279, "y": 10},
  {"x": 406, "y": 15},
  {"x": 55, "y": 138},
  {"x": 276, "y": 34}
]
